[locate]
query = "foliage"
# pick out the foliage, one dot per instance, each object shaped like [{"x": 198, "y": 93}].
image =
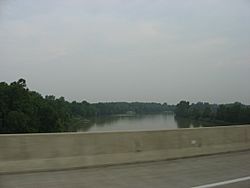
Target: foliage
[
  {"x": 22, "y": 110},
  {"x": 229, "y": 113},
  {"x": 25, "y": 111}
]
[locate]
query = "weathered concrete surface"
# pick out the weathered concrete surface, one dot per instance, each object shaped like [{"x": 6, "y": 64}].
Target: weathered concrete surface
[
  {"x": 36, "y": 152},
  {"x": 181, "y": 173}
]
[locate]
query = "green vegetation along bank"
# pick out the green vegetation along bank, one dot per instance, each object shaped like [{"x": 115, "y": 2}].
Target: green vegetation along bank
[
  {"x": 235, "y": 113},
  {"x": 25, "y": 111}
]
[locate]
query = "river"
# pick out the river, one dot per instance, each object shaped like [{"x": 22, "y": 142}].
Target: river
[{"x": 138, "y": 122}]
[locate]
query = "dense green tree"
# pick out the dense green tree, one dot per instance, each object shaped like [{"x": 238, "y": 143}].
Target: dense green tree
[
  {"x": 22, "y": 110},
  {"x": 182, "y": 109},
  {"x": 207, "y": 113},
  {"x": 225, "y": 113},
  {"x": 18, "y": 122}
]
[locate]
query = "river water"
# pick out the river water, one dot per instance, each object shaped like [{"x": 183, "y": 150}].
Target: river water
[{"x": 138, "y": 122}]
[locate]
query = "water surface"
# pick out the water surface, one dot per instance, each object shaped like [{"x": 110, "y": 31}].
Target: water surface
[{"x": 138, "y": 122}]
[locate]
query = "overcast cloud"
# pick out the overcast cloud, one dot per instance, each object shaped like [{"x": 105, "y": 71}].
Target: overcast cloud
[{"x": 128, "y": 50}]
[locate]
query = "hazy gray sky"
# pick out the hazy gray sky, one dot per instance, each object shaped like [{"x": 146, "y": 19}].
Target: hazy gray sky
[{"x": 128, "y": 50}]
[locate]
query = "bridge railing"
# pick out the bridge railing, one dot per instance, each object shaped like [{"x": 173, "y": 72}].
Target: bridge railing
[{"x": 55, "y": 151}]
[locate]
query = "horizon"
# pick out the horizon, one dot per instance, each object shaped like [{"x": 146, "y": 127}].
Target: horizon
[{"x": 195, "y": 102}]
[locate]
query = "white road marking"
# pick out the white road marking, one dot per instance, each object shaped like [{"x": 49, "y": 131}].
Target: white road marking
[{"x": 223, "y": 182}]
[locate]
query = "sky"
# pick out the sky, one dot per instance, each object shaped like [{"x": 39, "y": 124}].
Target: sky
[{"x": 128, "y": 50}]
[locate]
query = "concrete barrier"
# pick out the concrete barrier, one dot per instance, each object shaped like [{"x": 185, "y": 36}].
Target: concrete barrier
[{"x": 55, "y": 151}]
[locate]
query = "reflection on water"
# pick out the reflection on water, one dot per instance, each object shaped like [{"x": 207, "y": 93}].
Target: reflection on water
[{"x": 138, "y": 122}]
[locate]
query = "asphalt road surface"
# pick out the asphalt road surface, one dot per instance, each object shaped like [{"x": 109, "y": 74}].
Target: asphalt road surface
[{"x": 230, "y": 170}]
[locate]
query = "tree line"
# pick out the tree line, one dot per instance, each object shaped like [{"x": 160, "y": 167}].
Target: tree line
[
  {"x": 25, "y": 111},
  {"x": 235, "y": 113}
]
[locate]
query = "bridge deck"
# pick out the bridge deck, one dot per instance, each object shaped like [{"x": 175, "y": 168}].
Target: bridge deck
[{"x": 190, "y": 172}]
